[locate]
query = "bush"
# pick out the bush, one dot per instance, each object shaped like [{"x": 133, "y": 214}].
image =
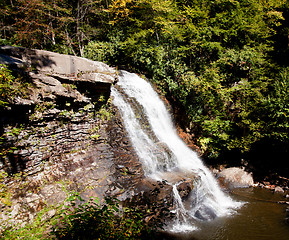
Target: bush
[
  {"x": 91, "y": 220},
  {"x": 10, "y": 87},
  {"x": 76, "y": 219}
]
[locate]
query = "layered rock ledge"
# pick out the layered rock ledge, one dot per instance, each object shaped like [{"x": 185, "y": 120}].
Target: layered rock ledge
[
  {"x": 56, "y": 137},
  {"x": 66, "y": 136}
]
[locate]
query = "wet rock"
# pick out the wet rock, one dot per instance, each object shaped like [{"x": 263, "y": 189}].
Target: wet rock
[
  {"x": 154, "y": 198},
  {"x": 269, "y": 186},
  {"x": 205, "y": 213},
  {"x": 287, "y": 215},
  {"x": 155, "y": 192},
  {"x": 185, "y": 189}
]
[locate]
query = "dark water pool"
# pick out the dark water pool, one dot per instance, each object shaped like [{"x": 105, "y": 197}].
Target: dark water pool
[{"x": 261, "y": 218}]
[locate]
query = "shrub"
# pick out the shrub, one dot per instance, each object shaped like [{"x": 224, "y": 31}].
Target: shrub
[
  {"x": 10, "y": 87},
  {"x": 92, "y": 220}
]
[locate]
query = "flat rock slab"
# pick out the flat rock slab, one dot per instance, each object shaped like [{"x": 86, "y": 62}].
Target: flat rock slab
[{"x": 58, "y": 64}]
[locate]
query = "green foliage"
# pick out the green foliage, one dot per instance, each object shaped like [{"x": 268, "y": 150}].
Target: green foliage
[
  {"x": 212, "y": 58},
  {"x": 6, "y": 85},
  {"x": 219, "y": 61},
  {"x": 7, "y": 142},
  {"x": 36, "y": 230},
  {"x": 92, "y": 220},
  {"x": 100, "y": 51},
  {"x": 10, "y": 86},
  {"x": 105, "y": 110},
  {"x": 5, "y": 195},
  {"x": 276, "y": 107},
  {"x": 64, "y": 26},
  {"x": 79, "y": 219}
]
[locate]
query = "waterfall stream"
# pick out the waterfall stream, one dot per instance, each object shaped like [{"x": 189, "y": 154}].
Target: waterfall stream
[{"x": 165, "y": 156}]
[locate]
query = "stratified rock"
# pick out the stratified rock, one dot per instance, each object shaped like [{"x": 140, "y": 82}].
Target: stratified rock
[
  {"x": 91, "y": 78},
  {"x": 68, "y": 82},
  {"x": 64, "y": 136}
]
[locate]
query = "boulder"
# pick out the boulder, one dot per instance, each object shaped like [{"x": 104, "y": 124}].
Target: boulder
[
  {"x": 68, "y": 82},
  {"x": 91, "y": 78},
  {"x": 155, "y": 192},
  {"x": 205, "y": 213},
  {"x": 235, "y": 178},
  {"x": 184, "y": 188},
  {"x": 278, "y": 190},
  {"x": 184, "y": 181},
  {"x": 57, "y": 64}
]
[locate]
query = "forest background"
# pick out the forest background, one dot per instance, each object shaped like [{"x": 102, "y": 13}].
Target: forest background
[{"x": 223, "y": 64}]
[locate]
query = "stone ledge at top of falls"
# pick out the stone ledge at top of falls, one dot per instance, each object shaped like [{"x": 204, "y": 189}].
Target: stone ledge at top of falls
[
  {"x": 63, "y": 66},
  {"x": 50, "y": 71},
  {"x": 51, "y": 62}
]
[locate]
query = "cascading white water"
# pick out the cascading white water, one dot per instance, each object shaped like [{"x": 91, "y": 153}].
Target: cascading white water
[{"x": 158, "y": 132}]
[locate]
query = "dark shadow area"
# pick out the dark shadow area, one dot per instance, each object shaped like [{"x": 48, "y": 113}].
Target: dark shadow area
[
  {"x": 8, "y": 60},
  {"x": 26, "y": 56},
  {"x": 232, "y": 158},
  {"x": 15, "y": 114},
  {"x": 16, "y": 164},
  {"x": 20, "y": 61},
  {"x": 94, "y": 90},
  {"x": 91, "y": 89},
  {"x": 281, "y": 41},
  {"x": 270, "y": 159}
]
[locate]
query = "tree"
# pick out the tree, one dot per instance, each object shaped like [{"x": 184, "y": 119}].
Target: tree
[{"x": 65, "y": 26}]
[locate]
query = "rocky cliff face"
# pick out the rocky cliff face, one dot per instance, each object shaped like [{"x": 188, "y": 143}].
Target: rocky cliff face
[
  {"x": 56, "y": 137},
  {"x": 64, "y": 94},
  {"x": 65, "y": 136}
]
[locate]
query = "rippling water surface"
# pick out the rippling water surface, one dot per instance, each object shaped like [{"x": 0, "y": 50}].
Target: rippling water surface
[
  {"x": 260, "y": 219},
  {"x": 162, "y": 152}
]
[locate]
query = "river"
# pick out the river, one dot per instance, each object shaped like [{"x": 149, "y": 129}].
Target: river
[{"x": 261, "y": 218}]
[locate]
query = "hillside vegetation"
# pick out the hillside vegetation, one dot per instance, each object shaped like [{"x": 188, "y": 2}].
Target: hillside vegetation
[{"x": 223, "y": 64}]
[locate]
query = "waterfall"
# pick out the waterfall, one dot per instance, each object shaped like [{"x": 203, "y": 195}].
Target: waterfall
[{"x": 164, "y": 155}]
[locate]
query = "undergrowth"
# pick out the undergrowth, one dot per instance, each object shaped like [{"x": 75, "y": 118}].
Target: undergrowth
[{"x": 79, "y": 219}]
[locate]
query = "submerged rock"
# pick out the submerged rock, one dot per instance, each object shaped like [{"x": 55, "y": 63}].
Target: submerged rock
[{"x": 205, "y": 214}]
